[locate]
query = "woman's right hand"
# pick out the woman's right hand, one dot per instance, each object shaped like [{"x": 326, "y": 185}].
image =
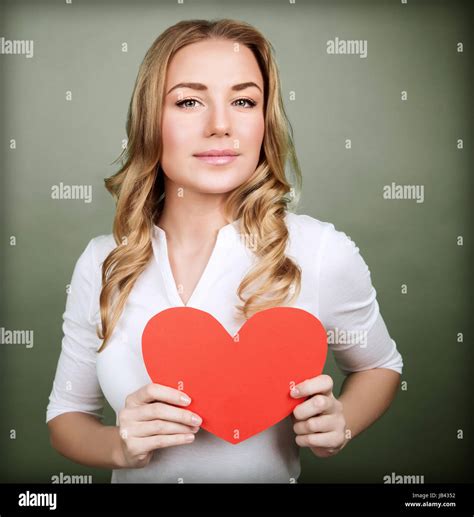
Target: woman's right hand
[{"x": 149, "y": 421}]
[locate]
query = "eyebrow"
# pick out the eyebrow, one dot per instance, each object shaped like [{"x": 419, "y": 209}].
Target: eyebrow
[{"x": 200, "y": 86}]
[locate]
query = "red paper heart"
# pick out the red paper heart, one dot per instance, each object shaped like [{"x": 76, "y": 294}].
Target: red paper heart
[{"x": 239, "y": 385}]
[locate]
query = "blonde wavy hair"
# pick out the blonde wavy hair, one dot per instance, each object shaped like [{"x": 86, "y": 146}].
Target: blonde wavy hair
[{"x": 260, "y": 203}]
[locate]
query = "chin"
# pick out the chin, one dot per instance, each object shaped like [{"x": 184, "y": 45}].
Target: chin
[
  {"x": 214, "y": 189},
  {"x": 218, "y": 182}
]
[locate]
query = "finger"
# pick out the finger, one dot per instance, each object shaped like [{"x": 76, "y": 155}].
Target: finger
[
  {"x": 313, "y": 406},
  {"x": 326, "y": 440},
  {"x": 159, "y": 441},
  {"x": 153, "y": 427},
  {"x": 157, "y": 392},
  {"x": 320, "y": 384},
  {"x": 317, "y": 424},
  {"x": 158, "y": 410}
]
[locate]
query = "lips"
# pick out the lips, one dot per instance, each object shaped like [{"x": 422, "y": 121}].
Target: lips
[
  {"x": 217, "y": 160},
  {"x": 217, "y": 152},
  {"x": 217, "y": 156}
]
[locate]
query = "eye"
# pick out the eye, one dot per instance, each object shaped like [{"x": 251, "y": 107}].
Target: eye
[
  {"x": 250, "y": 101},
  {"x": 182, "y": 103}
]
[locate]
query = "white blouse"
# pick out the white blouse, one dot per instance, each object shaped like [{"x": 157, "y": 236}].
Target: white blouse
[{"x": 336, "y": 287}]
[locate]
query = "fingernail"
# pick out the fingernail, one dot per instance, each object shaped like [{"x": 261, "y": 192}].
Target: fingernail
[
  {"x": 196, "y": 419},
  {"x": 295, "y": 392},
  {"x": 185, "y": 399}
]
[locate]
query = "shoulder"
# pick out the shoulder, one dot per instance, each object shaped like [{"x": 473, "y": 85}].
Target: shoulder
[
  {"x": 302, "y": 225},
  {"x": 342, "y": 265},
  {"x": 101, "y": 246},
  {"x": 310, "y": 230},
  {"x": 336, "y": 254},
  {"x": 93, "y": 255},
  {"x": 82, "y": 300}
]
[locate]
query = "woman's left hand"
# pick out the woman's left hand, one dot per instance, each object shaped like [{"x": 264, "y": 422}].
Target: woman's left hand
[{"x": 319, "y": 421}]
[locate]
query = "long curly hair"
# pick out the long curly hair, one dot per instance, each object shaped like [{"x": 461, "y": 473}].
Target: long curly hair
[{"x": 260, "y": 203}]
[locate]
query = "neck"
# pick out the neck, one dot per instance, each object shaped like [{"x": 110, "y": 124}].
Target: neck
[{"x": 191, "y": 218}]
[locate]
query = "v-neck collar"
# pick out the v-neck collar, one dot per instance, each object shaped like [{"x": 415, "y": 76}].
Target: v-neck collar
[{"x": 160, "y": 248}]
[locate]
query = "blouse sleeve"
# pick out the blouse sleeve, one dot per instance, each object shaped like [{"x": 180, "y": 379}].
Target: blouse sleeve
[
  {"x": 75, "y": 385},
  {"x": 357, "y": 334}
]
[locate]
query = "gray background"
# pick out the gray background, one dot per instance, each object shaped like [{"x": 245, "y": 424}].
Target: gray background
[{"x": 411, "y": 47}]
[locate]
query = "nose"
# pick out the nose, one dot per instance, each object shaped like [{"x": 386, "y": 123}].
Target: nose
[{"x": 219, "y": 121}]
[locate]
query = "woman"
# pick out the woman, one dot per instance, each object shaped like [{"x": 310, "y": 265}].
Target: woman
[{"x": 202, "y": 220}]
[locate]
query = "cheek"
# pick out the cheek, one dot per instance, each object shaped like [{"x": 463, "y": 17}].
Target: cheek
[
  {"x": 251, "y": 143},
  {"x": 253, "y": 134},
  {"x": 176, "y": 135}
]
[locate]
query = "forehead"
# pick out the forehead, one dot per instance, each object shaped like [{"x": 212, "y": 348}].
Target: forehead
[{"x": 214, "y": 61}]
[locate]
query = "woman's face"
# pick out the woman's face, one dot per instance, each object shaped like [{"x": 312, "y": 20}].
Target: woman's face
[{"x": 221, "y": 110}]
